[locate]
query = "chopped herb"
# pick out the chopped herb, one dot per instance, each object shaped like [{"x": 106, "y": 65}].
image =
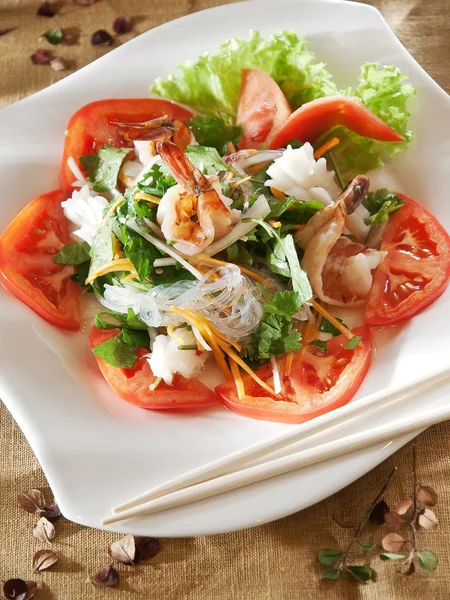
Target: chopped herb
[
  {"x": 320, "y": 344},
  {"x": 381, "y": 204},
  {"x": 206, "y": 159},
  {"x": 352, "y": 342},
  {"x": 275, "y": 334},
  {"x": 129, "y": 320},
  {"x": 327, "y": 327},
  {"x": 73, "y": 254},
  {"x": 120, "y": 350},
  {"x": 140, "y": 252},
  {"x": 104, "y": 168},
  {"x": 156, "y": 182},
  {"x": 210, "y": 130}
]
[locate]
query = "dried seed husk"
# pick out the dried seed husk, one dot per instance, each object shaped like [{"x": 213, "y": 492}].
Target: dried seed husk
[
  {"x": 52, "y": 512},
  {"x": 146, "y": 548},
  {"x": 393, "y": 542},
  {"x": 393, "y": 521},
  {"x": 46, "y": 9},
  {"x": 101, "y": 38},
  {"x": 32, "y": 501},
  {"x": 107, "y": 576},
  {"x": 427, "y": 519},
  {"x": 123, "y": 550},
  {"x": 43, "y": 559},
  {"x": 32, "y": 589},
  {"x": 44, "y": 531},
  {"x": 403, "y": 507},
  {"x": 15, "y": 589},
  {"x": 427, "y": 495},
  {"x": 123, "y": 24},
  {"x": 41, "y": 57},
  {"x": 376, "y": 517}
]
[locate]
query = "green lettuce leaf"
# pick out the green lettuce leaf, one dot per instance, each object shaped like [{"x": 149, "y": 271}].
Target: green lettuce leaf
[{"x": 212, "y": 84}]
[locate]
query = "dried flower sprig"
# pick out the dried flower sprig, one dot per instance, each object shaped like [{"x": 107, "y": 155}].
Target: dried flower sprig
[
  {"x": 338, "y": 559},
  {"x": 423, "y": 497}
]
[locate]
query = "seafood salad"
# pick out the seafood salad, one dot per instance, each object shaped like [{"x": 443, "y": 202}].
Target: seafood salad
[{"x": 219, "y": 224}]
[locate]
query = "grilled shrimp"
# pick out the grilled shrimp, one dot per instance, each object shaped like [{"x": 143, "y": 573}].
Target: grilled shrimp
[
  {"x": 339, "y": 270},
  {"x": 192, "y": 213}
]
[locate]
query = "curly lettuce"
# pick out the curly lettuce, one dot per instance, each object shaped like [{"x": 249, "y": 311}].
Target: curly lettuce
[{"x": 212, "y": 84}]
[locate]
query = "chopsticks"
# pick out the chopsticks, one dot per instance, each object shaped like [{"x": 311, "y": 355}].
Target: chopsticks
[
  {"x": 285, "y": 464},
  {"x": 236, "y": 460}
]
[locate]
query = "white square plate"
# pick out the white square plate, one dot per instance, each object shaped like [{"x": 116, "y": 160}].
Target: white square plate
[{"x": 97, "y": 450}]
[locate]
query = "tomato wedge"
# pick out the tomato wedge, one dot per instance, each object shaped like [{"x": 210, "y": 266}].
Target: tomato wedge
[
  {"x": 318, "y": 383},
  {"x": 314, "y": 118},
  {"x": 133, "y": 384},
  {"x": 416, "y": 269},
  {"x": 262, "y": 109},
  {"x": 93, "y": 126},
  {"x": 27, "y": 270}
]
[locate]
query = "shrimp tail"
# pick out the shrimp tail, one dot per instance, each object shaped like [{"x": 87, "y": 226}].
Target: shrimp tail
[
  {"x": 178, "y": 164},
  {"x": 355, "y": 193}
]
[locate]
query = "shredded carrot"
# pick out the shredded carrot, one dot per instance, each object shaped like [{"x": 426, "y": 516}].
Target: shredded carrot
[
  {"x": 149, "y": 197},
  {"x": 321, "y": 310},
  {"x": 274, "y": 224},
  {"x": 112, "y": 209},
  {"x": 121, "y": 264},
  {"x": 238, "y": 380},
  {"x": 278, "y": 195},
  {"x": 327, "y": 146},
  {"x": 217, "y": 351}
]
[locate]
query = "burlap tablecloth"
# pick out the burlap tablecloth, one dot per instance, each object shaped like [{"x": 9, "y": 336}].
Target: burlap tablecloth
[{"x": 272, "y": 562}]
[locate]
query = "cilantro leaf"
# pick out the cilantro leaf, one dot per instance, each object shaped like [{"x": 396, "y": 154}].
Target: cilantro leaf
[
  {"x": 81, "y": 274},
  {"x": 285, "y": 304},
  {"x": 320, "y": 344},
  {"x": 211, "y": 130},
  {"x": 140, "y": 252},
  {"x": 206, "y": 159},
  {"x": 156, "y": 182},
  {"x": 117, "y": 352},
  {"x": 275, "y": 334},
  {"x": 327, "y": 327},
  {"x": 129, "y": 320},
  {"x": 105, "y": 169},
  {"x": 381, "y": 204},
  {"x": 73, "y": 254},
  {"x": 352, "y": 342}
]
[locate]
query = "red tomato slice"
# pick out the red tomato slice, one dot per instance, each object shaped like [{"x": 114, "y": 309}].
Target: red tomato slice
[
  {"x": 314, "y": 118},
  {"x": 92, "y": 126},
  {"x": 262, "y": 109},
  {"x": 27, "y": 270},
  {"x": 133, "y": 384},
  {"x": 317, "y": 384},
  {"x": 416, "y": 269}
]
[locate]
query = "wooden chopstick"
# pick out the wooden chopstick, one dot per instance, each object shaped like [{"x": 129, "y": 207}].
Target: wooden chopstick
[
  {"x": 286, "y": 464},
  {"x": 237, "y": 460}
]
